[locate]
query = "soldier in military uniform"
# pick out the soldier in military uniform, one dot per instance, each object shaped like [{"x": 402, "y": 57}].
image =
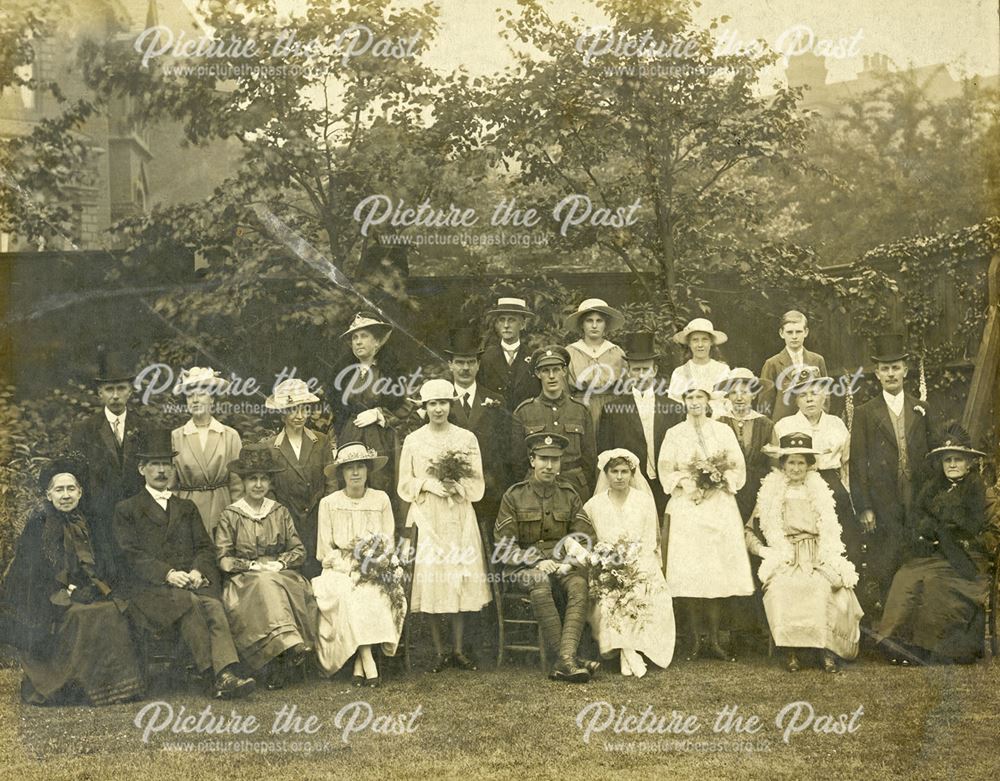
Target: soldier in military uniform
[
  {"x": 536, "y": 554},
  {"x": 553, "y": 410}
]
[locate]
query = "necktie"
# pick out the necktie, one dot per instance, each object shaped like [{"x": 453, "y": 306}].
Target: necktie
[
  {"x": 465, "y": 403},
  {"x": 509, "y": 355},
  {"x": 118, "y": 430}
]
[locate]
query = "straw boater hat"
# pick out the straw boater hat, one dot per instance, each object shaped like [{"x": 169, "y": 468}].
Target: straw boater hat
[
  {"x": 290, "y": 393},
  {"x": 703, "y": 325},
  {"x": 956, "y": 439},
  {"x": 352, "y": 452},
  {"x": 70, "y": 463},
  {"x": 889, "y": 348},
  {"x": 434, "y": 390},
  {"x": 201, "y": 379},
  {"x": 790, "y": 445},
  {"x": 639, "y": 346},
  {"x": 511, "y": 306},
  {"x": 738, "y": 375},
  {"x": 254, "y": 459},
  {"x": 369, "y": 321},
  {"x": 156, "y": 443},
  {"x": 615, "y": 319}
]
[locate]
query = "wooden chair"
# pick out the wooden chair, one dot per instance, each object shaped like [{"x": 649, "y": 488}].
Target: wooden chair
[
  {"x": 991, "y": 641},
  {"x": 518, "y": 631}
]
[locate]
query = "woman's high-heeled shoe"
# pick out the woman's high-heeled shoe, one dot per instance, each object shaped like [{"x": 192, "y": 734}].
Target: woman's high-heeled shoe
[
  {"x": 442, "y": 663},
  {"x": 373, "y": 683},
  {"x": 463, "y": 662},
  {"x": 792, "y": 664},
  {"x": 716, "y": 651},
  {"x": 695, "y": 650},
  {"x": 829, "y": 662},
  {"x": 357, "y": 680}
]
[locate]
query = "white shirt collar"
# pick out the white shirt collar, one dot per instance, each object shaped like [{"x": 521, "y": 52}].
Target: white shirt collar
[
  {"x": 471, "y": 390},
  {"x": 510, "y": 348},
  {"x": 213, "y": 425},
  {"x": 798, "y": 356},
  {"x": 895, "y": 403},
  {"x": 112, "y": 417},
  {"x": 243, "y": 506},
  {"x": 160, "y": 497}
]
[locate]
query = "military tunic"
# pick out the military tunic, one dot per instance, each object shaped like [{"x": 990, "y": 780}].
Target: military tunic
[{"x": 568, "y": 417}]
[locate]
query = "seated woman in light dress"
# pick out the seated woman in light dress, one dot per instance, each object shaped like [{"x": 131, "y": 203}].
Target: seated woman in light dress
[
  {"x": 622, "y": 509},
  {"x": 354, "y": 616},
  {"x": 808, "y": 581}
]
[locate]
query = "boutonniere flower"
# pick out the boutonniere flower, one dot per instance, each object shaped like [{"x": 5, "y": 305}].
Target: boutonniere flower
[
  {"x": 490, "y": 403},
  {"x": 920, "y": 409}
]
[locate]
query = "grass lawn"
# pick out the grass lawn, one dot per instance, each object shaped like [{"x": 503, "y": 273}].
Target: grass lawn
[{"x": 929, "y": 723}]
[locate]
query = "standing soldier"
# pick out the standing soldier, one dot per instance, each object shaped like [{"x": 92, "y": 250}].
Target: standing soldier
[
  {"x": 534, "y": 546},
  {"x": 554, "y": 410}
]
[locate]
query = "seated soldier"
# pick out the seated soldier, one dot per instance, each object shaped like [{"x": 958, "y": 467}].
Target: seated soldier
[
  {"x": 171, "y": 577},
  {"x": 532, "y": 544}
]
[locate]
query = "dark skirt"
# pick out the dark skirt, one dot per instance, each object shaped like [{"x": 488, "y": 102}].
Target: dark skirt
[
  {"x": 932, "y": 607},
  {"x": 92, "y": 654}
]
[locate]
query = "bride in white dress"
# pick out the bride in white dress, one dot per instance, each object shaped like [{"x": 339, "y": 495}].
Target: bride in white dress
[{"x": 622, "y": 508}]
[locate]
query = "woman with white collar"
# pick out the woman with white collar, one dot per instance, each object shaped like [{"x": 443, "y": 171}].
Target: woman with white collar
[
  {"x": 205, "y": 447},
  {"x": 595, "y": 364},
  {"x": 701, "y": 369}
]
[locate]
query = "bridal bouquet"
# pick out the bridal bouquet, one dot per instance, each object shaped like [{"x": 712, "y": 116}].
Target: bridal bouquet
[
  {"x": 617, "y": 581},
  {"x": 375, "y": 562},
  {"x": 709, "y": 473},
  {"x": 454, "y": 465}
]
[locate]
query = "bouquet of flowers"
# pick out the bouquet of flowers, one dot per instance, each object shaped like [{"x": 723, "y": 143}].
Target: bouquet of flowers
[
  {"x": 453, "y": 465},
  {"x": 375, "y": 562},
  {"x": 616, "y": 580},
  {"x": 709, "y": 473}
]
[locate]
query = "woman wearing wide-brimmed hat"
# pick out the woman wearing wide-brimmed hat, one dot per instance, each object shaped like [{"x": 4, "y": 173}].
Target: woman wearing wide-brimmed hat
[
  {"x": 205, "y": 447},
  {"x": 753, "y": 430},
  {"x": 808, "y": 581},
  {"x": 701, "y": 468},
  {"x": 595, "y": 363},
  {"x": 701, "y": 369},
  {"x": 270, "y": 606},
  {"x": 934, "y": 609},
  {"x": 355, "y": 614},
  {"x": 67, "y": 624},
  {"x": 441, "y": 475},
  {"x": 305, "y": 454},
  {"x": 369, "y": 393}
]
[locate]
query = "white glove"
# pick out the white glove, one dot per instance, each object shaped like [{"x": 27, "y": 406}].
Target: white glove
[
  {"x": 434, "y": 486},
  {"x": 368, "y": 417}
]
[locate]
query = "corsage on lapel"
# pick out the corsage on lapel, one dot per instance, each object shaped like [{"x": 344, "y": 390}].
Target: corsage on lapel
[
  {"x": 490, "y": 403},
  {"x": 919, "y": 408}
]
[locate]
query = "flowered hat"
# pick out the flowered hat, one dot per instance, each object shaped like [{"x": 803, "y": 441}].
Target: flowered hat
[
  {"x": 703, "y": 325},
  {"x": 791, "y": 445},
  {"x": 353, "y": 452},
  {"x": 256, "y": 458},
  {"x": 370, "y": 322},
  {"x": 290, "y": 393},
  {"x": 955, "y": 439},
  {"x": 614, "y": 318},
  {"x": 201, "y": 379}
]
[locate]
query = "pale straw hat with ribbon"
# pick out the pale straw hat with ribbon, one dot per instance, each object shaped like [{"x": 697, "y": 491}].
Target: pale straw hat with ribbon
[{"x": 290, "y": 393}]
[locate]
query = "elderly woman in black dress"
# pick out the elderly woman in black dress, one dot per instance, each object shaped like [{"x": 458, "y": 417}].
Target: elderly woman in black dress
[
  {"x": 934, "y": 609},
  {"x": 68, "y": 626}
]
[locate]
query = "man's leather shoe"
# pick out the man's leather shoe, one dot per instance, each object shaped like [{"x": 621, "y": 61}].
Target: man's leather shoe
[
  {"x": 567, "y": 670},
  {"x": 298, "y": 654},
  {"x": 229, "y": 686}
]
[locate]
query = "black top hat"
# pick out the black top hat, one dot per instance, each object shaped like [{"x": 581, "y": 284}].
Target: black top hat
[
  {"x": 889, "y": 348},
  {"x": 111, "y": 367},
  {"x": 639, "y": 346},
  {"x": 156, "y": 443},
  {"x": 464, "y": 342},
  {"x": 254, "y": 459},
  {"x": 72, "y": 463}
]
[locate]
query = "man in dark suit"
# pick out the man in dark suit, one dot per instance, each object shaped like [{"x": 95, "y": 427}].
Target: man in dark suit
[
  {"x": 171, "y": 576},
  {"x": 782, "y": 370},
  {"x": 506, "y": 365},
  {"x": 480, "y": 410},
  {"x": 890, "y": 438},
  {"x": 637, "y": 418},
  {"x": 107, "y": 442}
]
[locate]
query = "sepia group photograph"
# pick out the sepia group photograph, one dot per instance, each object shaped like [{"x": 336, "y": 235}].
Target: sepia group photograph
[{"x": 552, "y": 389}]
